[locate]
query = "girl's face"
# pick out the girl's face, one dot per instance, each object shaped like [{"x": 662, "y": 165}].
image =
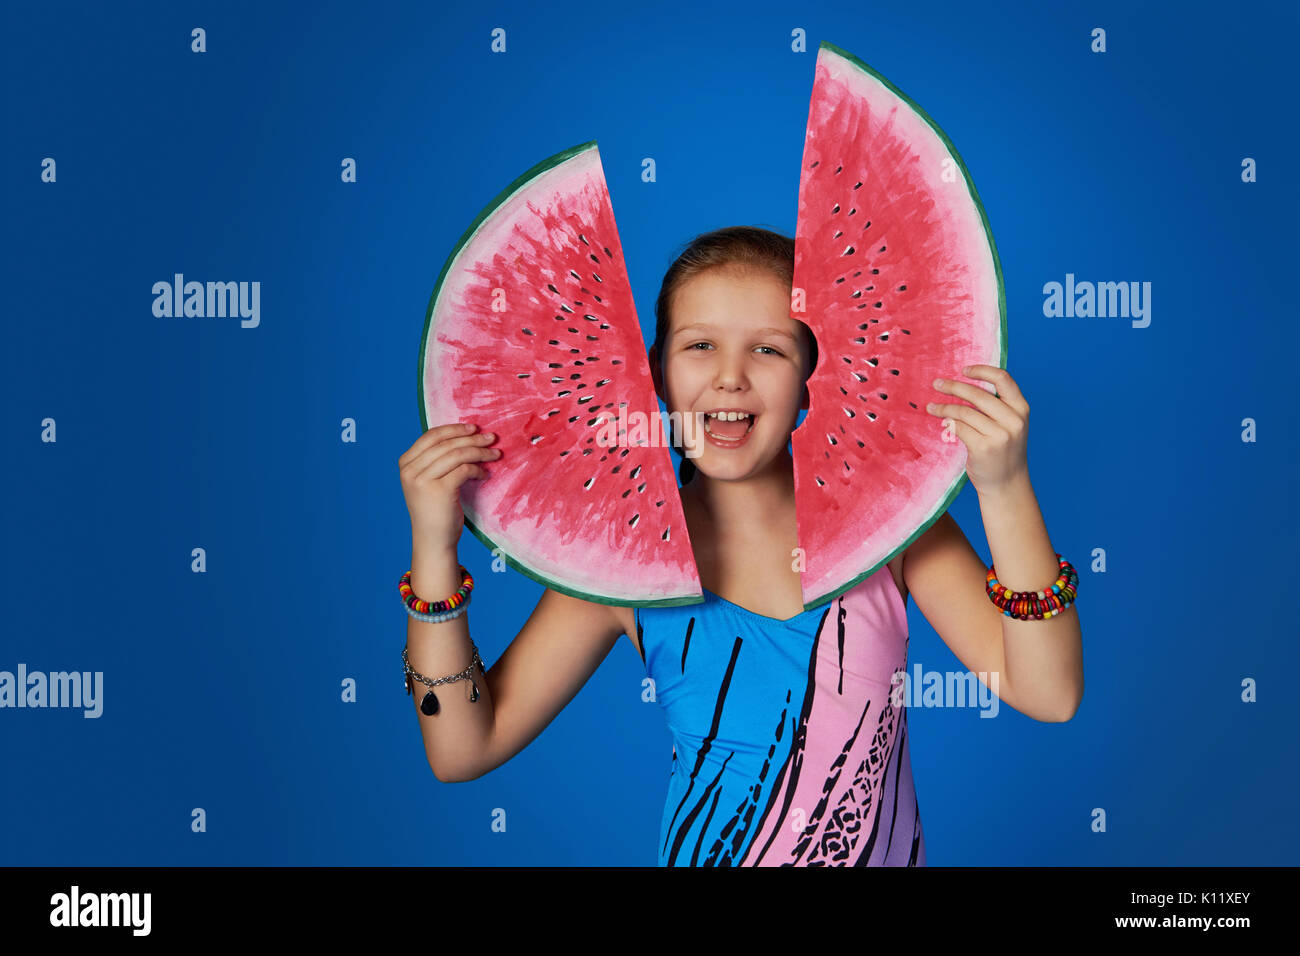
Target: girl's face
[{"x": 732, "y": 345}]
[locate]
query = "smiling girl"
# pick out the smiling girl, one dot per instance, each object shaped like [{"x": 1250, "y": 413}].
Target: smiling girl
[{"x": 790, "y": 735}]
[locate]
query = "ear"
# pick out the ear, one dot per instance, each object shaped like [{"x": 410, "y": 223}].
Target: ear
[
  {"x": 804, "y": 403},
  {"x": 656, "y": 373}
]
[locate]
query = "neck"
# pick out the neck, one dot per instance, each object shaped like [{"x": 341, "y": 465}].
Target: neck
[{"x": 745, "y": 505}]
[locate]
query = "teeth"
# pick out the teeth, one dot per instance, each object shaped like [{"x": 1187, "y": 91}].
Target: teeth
[
  {"x": 708, "y": 417},
  {"x": 728, "y": 416}
]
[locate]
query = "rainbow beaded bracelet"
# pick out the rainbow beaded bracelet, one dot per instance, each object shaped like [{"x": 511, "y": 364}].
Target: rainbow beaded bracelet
[
  {"x": 459, "y": 597},
  {"x": 1035, "y": 605}
]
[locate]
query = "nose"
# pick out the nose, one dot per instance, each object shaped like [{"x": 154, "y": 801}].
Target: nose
[{"x": 730, "y": 374}]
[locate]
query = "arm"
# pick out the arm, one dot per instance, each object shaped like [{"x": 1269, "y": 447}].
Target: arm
[
  {"x": 1038, "y": 663},
  {"x": 559, "y": 648}
]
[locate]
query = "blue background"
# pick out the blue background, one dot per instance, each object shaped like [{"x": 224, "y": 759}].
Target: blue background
[{"x": 222, "y": 690}]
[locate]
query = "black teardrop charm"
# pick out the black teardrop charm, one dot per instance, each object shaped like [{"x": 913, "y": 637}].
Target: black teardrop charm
[
  {"x": 473, "y": 694},
  {"x": 429, "y": 706}
]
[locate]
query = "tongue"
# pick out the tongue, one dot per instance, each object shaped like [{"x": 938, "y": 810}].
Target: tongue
[{"x": 723, "y": 429}]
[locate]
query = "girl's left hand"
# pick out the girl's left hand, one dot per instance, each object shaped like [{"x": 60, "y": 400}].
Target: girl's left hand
[{"x": 995, "y": 431}]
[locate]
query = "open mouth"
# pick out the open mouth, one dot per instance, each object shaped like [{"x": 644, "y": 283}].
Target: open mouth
[{"x": 728, "y": 426}]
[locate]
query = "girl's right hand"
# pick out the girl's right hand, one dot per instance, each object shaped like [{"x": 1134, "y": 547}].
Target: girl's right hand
[{"x": 432, "y": 471}]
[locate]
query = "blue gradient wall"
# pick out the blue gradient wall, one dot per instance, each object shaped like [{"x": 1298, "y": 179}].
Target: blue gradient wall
[{"x": 222, "y": 689}]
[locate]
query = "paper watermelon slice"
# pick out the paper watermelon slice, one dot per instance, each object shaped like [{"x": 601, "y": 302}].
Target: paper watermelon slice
[
  {"x": 531, "y": 333},
  {"x": 903, "y": 285}
]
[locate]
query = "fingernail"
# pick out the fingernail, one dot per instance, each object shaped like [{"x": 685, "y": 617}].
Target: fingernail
[{"x": 938, "y": 382}]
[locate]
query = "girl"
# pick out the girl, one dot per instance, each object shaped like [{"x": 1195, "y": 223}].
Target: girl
[{"x": 789, "y": 726}]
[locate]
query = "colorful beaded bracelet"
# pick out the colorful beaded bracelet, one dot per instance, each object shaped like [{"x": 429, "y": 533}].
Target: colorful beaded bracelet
[
  {"x": 1036, "y": 605},
  {"x": 458, "y": 598},
  {"x": 438, "y": 618}
]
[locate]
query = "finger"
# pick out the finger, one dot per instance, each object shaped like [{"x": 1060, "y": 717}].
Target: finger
[
  {"x": 441, "y": 466},
  {"x": 463, "y": 473},
  {"x": 992, "y": 406},
  {"x": 434, "y": 435},
  {"x": 1006, "y": 386},
  {"x": 980, "y": 424},
  {"x": 420, "y": 462},
  {"x": 964, "y": 432}
]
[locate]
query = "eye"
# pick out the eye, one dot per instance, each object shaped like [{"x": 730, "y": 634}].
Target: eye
[
  {"x": 770, "y": 349},
  {"x": 689, "y": 347}
]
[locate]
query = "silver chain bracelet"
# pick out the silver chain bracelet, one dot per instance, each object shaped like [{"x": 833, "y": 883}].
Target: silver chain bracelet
[{"x": 429, "y": 704}]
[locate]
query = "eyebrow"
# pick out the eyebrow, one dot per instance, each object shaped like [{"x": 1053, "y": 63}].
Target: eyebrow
[{"x": 704, "y": 327}]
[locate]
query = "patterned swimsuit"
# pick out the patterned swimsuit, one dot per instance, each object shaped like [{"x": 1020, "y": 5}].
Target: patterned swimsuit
[{"x": 788, "y": 748}]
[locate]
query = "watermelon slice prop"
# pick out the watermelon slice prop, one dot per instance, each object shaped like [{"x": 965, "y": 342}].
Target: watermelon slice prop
[
  {"x": 902, "y": 285},
  {"x": 531, "y": 333}
]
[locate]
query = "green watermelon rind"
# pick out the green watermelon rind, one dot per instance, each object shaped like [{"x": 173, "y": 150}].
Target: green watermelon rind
[
  {"x": 960, "y": 483},
  {"x": 493, "y": 548}
]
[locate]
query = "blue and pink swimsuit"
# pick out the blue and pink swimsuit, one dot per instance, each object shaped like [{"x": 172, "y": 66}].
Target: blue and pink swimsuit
[{"x": 788, "y": 747}]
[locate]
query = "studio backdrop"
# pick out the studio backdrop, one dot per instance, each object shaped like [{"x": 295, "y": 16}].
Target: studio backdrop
[{"x": 200, "y": 661}]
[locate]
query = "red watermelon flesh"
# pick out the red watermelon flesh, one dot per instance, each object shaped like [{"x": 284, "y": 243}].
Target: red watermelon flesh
[
  {"x": 903, "y": 285},
  {"x": 531, "y": 333}
]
